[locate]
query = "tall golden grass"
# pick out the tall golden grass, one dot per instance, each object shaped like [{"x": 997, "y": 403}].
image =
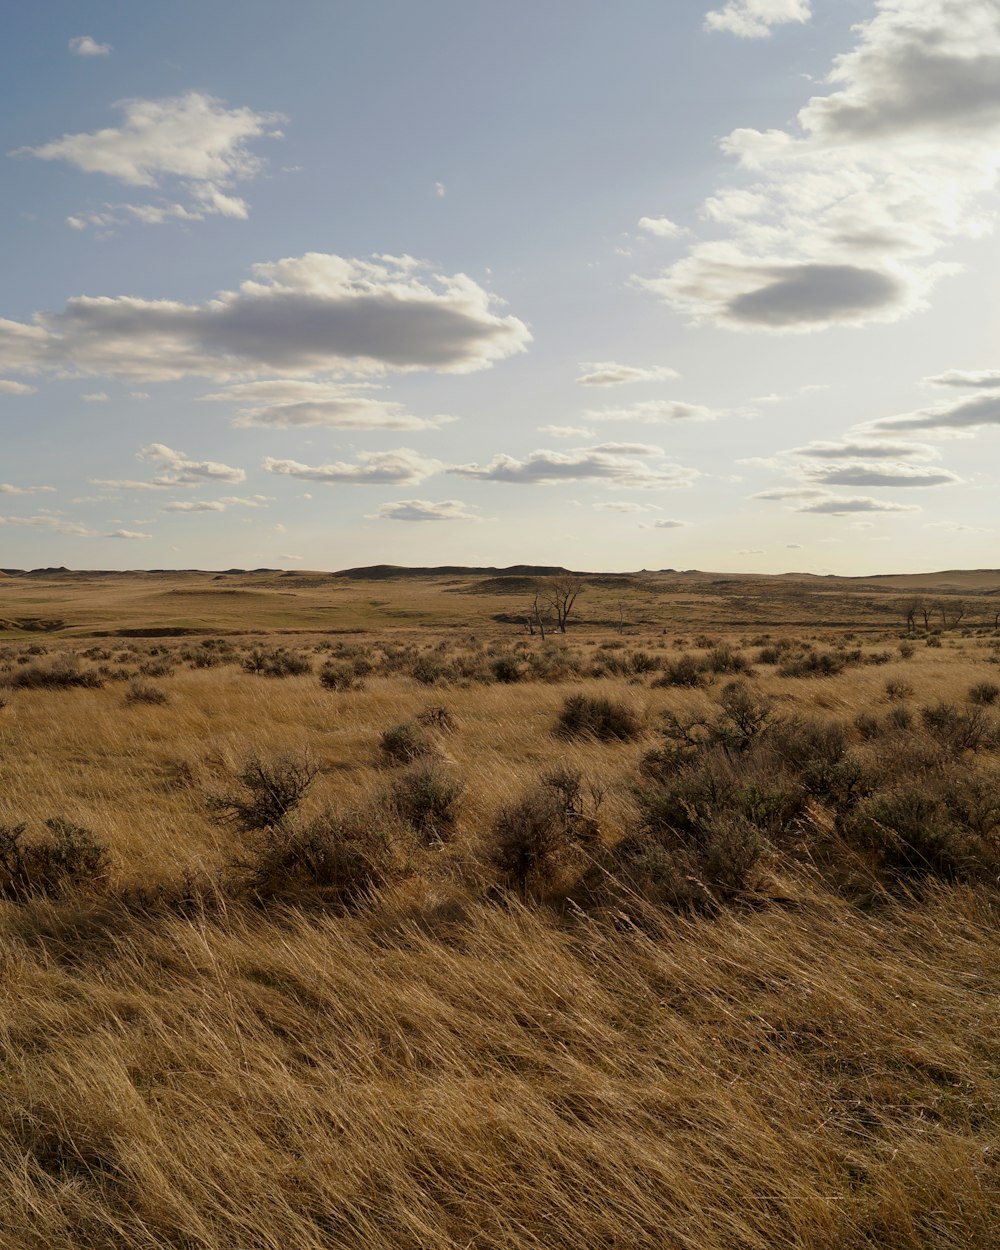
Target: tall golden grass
[{"x": 444, "y": 1066}]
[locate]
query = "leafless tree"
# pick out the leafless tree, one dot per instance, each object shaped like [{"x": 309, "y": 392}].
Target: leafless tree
[
  {"x": 952, "y": 612},
  {"x": 534, "y": 619},
  {"x": 558, "y": 595}
]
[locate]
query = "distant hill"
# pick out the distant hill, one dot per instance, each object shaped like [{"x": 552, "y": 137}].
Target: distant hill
[{"x": 382, "y": 572}]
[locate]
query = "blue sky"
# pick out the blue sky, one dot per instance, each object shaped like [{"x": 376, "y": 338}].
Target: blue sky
[{"x": 690, "y": 285}]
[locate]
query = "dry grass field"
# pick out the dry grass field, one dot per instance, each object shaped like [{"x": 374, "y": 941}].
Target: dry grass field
[{"x": 342, "y": 911}]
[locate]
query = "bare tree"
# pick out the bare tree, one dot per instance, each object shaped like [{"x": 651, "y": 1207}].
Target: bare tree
[
  {"x": 558, "y": 595},
  {"x": 952, "y": 612},
  {"x": 534, "y": 619}
]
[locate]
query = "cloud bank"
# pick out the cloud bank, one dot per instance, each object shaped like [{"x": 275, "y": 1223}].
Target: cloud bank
[
  {"x": 847, "y": 210},
  {"x": 300, "y": 316}
]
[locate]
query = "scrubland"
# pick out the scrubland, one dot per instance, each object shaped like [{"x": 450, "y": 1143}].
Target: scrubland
[{"x": 663, "y": 935}]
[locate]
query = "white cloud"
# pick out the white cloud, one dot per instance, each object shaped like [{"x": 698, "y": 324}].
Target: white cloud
[
  {"x": 882, "y": 449},
  {"x": 839, "y": 505},
  {"x": 979, "y": 379},
  {"x": 661, "y": 227},
  {"x": 96, "y": 397},
  {"x": 85, "y": 45},
  {"x": 815, "y": 499},
  {"x": 192, "y": 143},
  {"x": 130, "y": 535},
  {"x": 218, "y": 505},
  {"x": 962, "y": 417},
  {"x": 753, "y": 19},
  {"x": 401, "y": 467},
  {"x": 177, "y": 470},
  {"x": 7, "y": 489},
  {"x": 301, "y": 316},
  {"x": 566, "y": 431},
  {"x": 654, "y": 412},
  {"x": 284, "y": 402},
  {"x": 440, "y": 190},
  {"x": 425, "y": 510},
  {"x": 882, "y": 172},
  {"x": 618, "y": 464},
  {"x": 8, "y": 387},
  {"x": 611, "y": 373},
  {"x": 667, "y": 524},
  {"x": 195, "y": 505},
  {"x": 57, "y": 524},
  {"x": 859, "y": 473},
  {"x": 624, "y": 505}
]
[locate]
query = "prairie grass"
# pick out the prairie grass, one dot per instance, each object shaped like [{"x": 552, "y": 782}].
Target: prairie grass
[{"x": 199, "y": 1052}]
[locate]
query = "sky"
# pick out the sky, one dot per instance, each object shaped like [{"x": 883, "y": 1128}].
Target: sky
[{"x": 701, "y": 284}]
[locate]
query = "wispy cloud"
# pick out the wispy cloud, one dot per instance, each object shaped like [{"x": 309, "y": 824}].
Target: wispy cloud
[
  {"x": 619, "y": 464},
  {"x": 85, "y": 45},
  {"x": 654, "y": 412},
  {"x": 425, "y": 510},
  {"x": 755, "y": 19},
  {"x": 401, "y": 467},
  {"x": 611, "y": 373},
  {"x": 291, "y": 402},
  {"x": 191, "y": 144}
]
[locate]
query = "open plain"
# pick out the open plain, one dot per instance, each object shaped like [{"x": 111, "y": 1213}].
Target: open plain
[{"x": 349, "y": 910}]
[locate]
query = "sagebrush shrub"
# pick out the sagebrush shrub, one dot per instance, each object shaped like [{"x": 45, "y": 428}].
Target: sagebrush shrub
[
  {"x": 144, "y": 692},
  {"x": 271, "y": 790},
  {"x": 336, "y": 857},
  {"x": 426, "y": 797},
  {"x": 70, "y": 855},
  {"x": 406, "y": 742},
  {"x": 63, "y": 674},
  {"x": 333, "y": 676},
  {"x": 588, "y": 716}
]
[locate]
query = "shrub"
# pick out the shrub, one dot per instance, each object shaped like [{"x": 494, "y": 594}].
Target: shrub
[
  {"x": 272, "y": 789},
  {"x": 437, "y": 717},
  {"x": 506, "y": 669},
  {"x": 869, "y": 726},
  {"x": 431, "y": 672},
  {"x": 333, "y": 676},
  {"x": 899, "y": 718},
  {"x": 426, "y": 798},
  {"x": 530, "y": 843},
  {"x": 723, "y": 659},
  {"x": 906, "y": 650},
  {"x": 814, "y": 664},
  {"x": 406, "y": 742},
  {"x": 277, "y": 663},
  {"x": 143, "y": 692},
  {"x": 586, "y": 716},
  {"x": 909, "y": 830},
  {"x": 684, "y": 671},
  {"x": 895, "y": 690},
  {"x": 985, "y": 693},
  {"x": 958, "y": 729},
  {"x": 64, "y": 674},
  {"x": 335, "y": 857},
  {"x": 70, "y": 856}
]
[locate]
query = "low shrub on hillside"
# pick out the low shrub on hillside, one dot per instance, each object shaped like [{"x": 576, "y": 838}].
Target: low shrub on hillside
[
  {"x": 406, "y": 742},
  {"x": 426, "y": 797},
  {"x": 275, "y": 663},
  {"x": 587, "y": 716},
  {"x": 69, "y": 855},
  {"x": 335, "y": 858},
  {"x": 269, "y": 791},
  {"x": 62, "y": 674}
]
